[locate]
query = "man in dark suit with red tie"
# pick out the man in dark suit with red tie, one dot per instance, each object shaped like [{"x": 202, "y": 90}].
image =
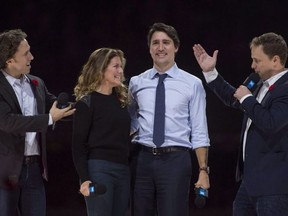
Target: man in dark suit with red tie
[
  {"x": 263, "y": 159},
  {"x": 24, "y": 119}
]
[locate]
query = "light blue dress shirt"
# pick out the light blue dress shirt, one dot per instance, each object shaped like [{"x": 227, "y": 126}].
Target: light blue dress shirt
[
  {"x": 28, "y": 106},
  {"x": 185, "y": 116}
]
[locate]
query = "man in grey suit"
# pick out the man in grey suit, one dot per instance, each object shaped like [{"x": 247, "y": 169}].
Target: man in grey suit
[{"x": 24, "y": 119}]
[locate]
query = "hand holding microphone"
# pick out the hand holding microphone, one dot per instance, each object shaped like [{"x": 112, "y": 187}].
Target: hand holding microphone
[
  {"x": 201, "y": 196},
  {"x": 250, "y": 83},
  {"x": 89, "y": 188},
  {"x": 61, "y": 107},
  {"x": 201, "y": 193}
]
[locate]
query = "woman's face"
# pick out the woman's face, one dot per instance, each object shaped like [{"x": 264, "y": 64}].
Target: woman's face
[{"x": 113, "y": 75}]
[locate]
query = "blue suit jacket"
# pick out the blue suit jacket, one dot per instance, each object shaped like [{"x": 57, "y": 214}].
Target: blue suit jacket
[
  {"x": 265, "y": 170},
  {"x": 13, "y": 126}
]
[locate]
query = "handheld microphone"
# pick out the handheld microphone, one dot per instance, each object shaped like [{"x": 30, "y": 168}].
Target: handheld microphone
[
  {"x": 251, "y": 83},
  {"x": 97, "y": 189},
  {"x": 201, "y": 196},
  {"x": 62, "y": 100}
]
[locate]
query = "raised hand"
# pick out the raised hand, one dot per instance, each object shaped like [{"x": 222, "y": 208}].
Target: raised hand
[{"x": 206, "y": 62}]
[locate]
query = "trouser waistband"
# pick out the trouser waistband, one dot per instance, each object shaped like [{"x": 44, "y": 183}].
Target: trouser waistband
[
  {"x": 161, "y": 150},
  {"x": 31, "y": 159}
]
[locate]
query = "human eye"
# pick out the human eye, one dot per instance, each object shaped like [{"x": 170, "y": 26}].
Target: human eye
[
  {"x": 155, "y": 42},
  {"x": 117, "y": 66},
  {"x": 166, "y": 42}
]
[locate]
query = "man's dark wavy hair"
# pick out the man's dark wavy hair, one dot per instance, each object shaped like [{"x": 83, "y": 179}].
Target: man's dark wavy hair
[{"x": 9, "y": 43}]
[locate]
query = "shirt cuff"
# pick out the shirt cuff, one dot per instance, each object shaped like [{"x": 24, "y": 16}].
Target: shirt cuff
[
  {"x": 50, "y": 120},
  {"x": 210, "y": 75},
  {"x": 243, "y": 98}
]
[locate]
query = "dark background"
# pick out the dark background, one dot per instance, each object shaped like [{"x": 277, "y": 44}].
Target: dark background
[{"x": 62, "y": 34}]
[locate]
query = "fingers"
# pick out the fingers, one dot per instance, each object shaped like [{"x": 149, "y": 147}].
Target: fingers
[
  {"x": 54, "y": 104},
  {"x": 215, "y": 54},
  {"x": 204, "y": 185},
  {"x": 85, "y": 191},
  {"x": 69, "y": 112},
  {"x": 84, "y": 188},
  {"x": 58, "y": 114},
  {"x": 198, "y": 49}
]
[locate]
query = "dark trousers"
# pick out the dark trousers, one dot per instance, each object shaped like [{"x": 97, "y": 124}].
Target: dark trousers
[
  {"x": 272, "y": 205},
  {"x": 161, "y": 184},
  {"x": 28, "y": 199},
  {"x": 116, "y": 178}
]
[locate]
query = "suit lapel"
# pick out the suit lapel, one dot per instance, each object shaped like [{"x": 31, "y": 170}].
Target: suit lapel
[
  {"x": 259, "y": 85},
  {"x": 267, "y": 95}
]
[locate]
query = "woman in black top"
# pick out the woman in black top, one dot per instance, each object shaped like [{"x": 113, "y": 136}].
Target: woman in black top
[{"x": 101, "y": 129}]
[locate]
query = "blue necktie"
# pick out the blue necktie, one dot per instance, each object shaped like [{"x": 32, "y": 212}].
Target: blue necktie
[{"x": 159, "y": 114}]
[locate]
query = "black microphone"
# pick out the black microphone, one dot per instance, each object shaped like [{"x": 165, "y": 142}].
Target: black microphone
[
  {"x": 97, "y": 189},
  {"x": 251, "y": 83},
  {"x": 62, "y": 100},
  {"x": 201, "y": 196}
]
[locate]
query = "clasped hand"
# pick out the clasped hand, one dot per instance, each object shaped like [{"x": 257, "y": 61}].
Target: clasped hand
[{"x": 58, "y": 114}]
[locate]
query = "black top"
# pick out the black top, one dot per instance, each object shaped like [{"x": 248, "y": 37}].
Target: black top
[{"x": 100, "y": 131}]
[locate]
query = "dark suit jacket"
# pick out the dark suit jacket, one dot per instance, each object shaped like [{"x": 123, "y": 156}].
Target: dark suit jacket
[
  {"x": 13, "y": 126},
  {"x": 265, "y": 170}
]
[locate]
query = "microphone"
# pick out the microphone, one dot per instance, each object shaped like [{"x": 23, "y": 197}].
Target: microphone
[
  {"x": 201, "y": 196},
  {"x": 62, "y": 100},
  {"x": 97, "y": 189},
  {"x": 251, "y": 83}
]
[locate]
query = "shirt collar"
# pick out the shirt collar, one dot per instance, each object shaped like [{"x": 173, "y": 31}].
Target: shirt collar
[
  {"x": 12, "y": 79},
  {"x": 273, "y": 79},
  {"x": 172, "y": 72}
]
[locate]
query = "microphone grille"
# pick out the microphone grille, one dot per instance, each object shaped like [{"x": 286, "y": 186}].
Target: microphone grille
[
  {"x": 63, "y": 99},
  {"x": 254, "y": 76}
]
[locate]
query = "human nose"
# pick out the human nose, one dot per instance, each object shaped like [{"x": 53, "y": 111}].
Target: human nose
[
  {"x": 253, "y": 65},
  {"x": 31, "y": 56},
  {"x": 121, "y": 70},
  {"x": 161, "y": 46}
]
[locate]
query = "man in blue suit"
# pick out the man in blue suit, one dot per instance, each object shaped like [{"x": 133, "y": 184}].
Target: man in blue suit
[
  {"x": 263, "y": 159},
  {"x": 25, "y": 113}
]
